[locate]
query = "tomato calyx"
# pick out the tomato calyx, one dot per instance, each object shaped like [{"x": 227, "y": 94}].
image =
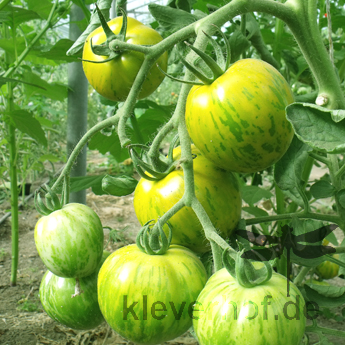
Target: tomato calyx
[
  {"x": 154, "y": 241},
  {"x": 245, "y": 272},
  {"x": 162, "y": 166},
  {"x": 217, "y": 67},
  {"x": 52, "y": 201},
  {"x": 114, "y": 44}
]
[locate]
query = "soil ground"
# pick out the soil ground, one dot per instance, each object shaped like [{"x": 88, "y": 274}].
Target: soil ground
[{"x": 22, "y": 319}]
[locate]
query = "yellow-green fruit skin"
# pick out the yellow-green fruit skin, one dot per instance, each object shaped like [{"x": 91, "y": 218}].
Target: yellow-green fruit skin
[
  {"x": 114, "y": 79},
  {"x": 216, "y": 189},
  {"x": 227, "y": 313},
  {"x": 328, "y": 269},
  {"x": 239, "y": 121}
]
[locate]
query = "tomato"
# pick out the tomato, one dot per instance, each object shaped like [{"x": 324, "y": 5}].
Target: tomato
[
  {"x": 70, "y": 241},
  {"x": 79, "y": 312},
  {"x": 238, "y": 122},
  {"x": 148, "y": 299},
  {"x": 328, "y": 269},
  {"x": 114, "y": 79},
  {"x": 216, "y": 189},
  {"x": 227, "y": 313}
]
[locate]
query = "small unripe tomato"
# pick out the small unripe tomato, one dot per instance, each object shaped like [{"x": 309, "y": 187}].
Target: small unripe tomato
[{"x": 114, "y": 79}]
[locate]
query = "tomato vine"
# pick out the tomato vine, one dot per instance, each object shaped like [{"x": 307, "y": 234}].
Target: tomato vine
[{"x": 301, "y": 18}]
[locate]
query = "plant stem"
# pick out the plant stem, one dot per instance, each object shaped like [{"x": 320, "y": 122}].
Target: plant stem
[
  {"x": 14, "y": 194},
  {"x": 306, "y": 32},
  {"x": 300, "y": 276},
  {"x": 303, "y": 215},
  {"x": 32, "y": 43},
  {"x": 82, "y": 142}
]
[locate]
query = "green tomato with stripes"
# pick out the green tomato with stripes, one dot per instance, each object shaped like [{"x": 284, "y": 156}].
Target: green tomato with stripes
[
  {"x": 148, "y": 299},
  {"x": 239, "y": 121},
  {"x": 227, "y": 313},
  {"x": 69, "y": 241},
  {"x": 78, "y": 312},
  {"x": 216, "y": 189}
]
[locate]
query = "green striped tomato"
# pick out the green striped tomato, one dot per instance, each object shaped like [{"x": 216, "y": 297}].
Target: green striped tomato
[
  {"x": 216, "y": 189},
  {"x": 148, "y": 299},
  {"x": 227, "y": 313},
  {"x": 114, "y": 79},
  {"x": 239, "y": 122},
  {"x": 79, "y": 312},
  {"x": 70, "y": 241},
  {"x": 328, "y": 269}
]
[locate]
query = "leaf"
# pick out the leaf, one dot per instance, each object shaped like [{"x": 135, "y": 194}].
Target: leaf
[
  {"x": 315, "y": 126},
  {"x": 83, "y": 182},
  {"x": 322, "y": 189},
  {"x": 19, "y": 15},
  {"x": 288, "y": 170},
  {"x": 109, "y": 143},
  {"x": 253, "y": 194},
  {"x": 119, "y": 185},
  {"x": 341, "y": 197},
  {"x": 171, "y": 19},
  {"x": 58, "y": 52},
  {"x": 6, "y": 80},
  {"x": 255, "y": 211},
  {"x": 104, "y": 6},
  {"x": 238, "y": 43},
  {"x": 51, "y": 90},
  {"x": 42, "y": 8},
  {"x": 325, "y": 296},
  {"x": 27, "y": 124},
  {"x": 342, "y": 258},
  {"x": 49, "y": 157}
]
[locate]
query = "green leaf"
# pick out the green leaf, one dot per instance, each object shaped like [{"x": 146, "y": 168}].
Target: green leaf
[
  {"x": 238, "y": 43},
  {"x": 19, "y": 15},
  {"x": 42, "y": 8},
  {"x": 171, "y": 19},
  {"x": 58, "y": 52},
  {"x": 6, "y": 80},
  {"x": 341, "y": 197},
  {"x": 315, "y": 294},
  {"x": 288, "y": 170},
  {"x": 104, "y": 6},
  {"x": 253, "y": 194},
  {"x": 315, "y": 126},
  {"x": 322, "y": 189},
  {"x": 255, "y": 211},
  {"x": 109, "y": 143},
  {"x": 51, "y": 90},
  {"x": 83, "y": 182},
  {"x": 26, "y": 123},
  {"x": 49, "y": 157},
  {"x": 119, "y": 185}
]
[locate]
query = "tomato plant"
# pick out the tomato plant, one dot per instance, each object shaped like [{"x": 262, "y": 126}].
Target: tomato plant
[
  {"x": 79, "y": 312},
  {"x": 217, "y": 190},
  {"x": 239, "y": 122},
  {"x": 328, "y": 269},
  {"x": 148, "y": 299},
  {"x": 114, "y": 79},
  {"x": 70, "y": 241},
  {"x": 227, "y": 313}
]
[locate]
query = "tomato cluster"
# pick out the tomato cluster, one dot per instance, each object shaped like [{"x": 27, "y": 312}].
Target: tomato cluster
[
  {"x": 70, "y": 244},
  {"x": 150, "y": 296}
]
